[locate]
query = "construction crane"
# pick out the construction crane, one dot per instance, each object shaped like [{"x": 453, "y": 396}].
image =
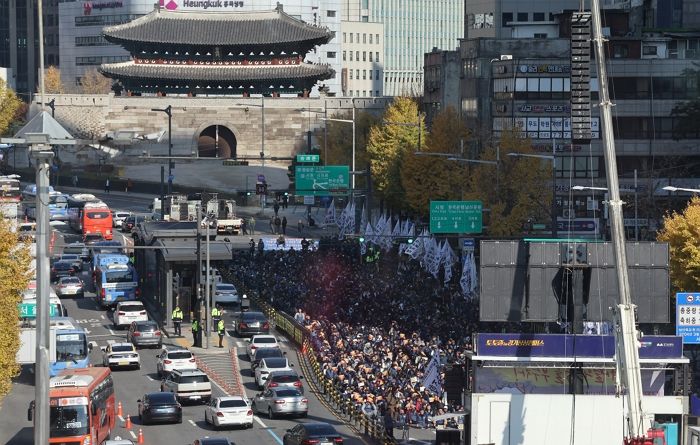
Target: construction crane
[{"x": 627, "y": 337}]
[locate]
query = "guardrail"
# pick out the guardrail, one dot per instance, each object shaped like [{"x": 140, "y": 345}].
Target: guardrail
[{"x": 343, "y": 407}]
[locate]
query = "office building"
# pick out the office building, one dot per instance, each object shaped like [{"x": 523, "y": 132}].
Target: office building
[
  {"x": 411, "y": 28},
  {"x": 363, "y": 56}
]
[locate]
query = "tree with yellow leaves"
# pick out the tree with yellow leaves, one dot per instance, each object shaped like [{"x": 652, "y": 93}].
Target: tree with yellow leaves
[
  {"x": 15, "y": 274},
  {"x": 93, "y": 82},
  {"x": 428, "y": 178},
  {"x": 388, "y": 144},
  {"x": 52, "y": 81},
  {"x": 10, "y": 104},
  {"x": 520, "y": 190},
  {"x": 682, "y": 233}
]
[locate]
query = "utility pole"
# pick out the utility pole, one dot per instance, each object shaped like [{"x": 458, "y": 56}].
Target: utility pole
[
  {"x": 42, "y": 159},
  {"x": 199, "y": 264},
  {"x": 626, "y": 333},
  {"x": 207, "y": 291}
]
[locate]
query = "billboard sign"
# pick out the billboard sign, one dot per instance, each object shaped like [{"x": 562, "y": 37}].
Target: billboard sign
[{"x": 688, "y": 317}]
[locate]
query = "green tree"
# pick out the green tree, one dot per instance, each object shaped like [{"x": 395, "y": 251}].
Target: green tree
[
  {"x": 339, "y": 139},
  {"x": 388, "y": 144},
  {"x": 15, "y": 273},
  {"x": 682, "y": 231},
  {"x": 10, "y": 104},
  {"x": 52, "y": 81},
  {"x": 520, "y": 189},
  {"x": 424, "y": 177}
]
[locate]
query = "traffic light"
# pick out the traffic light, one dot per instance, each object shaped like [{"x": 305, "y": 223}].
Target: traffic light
[
  {"x": 409, "y": 241},
  {"x": 362, "y": 239},
  {"x": 248, "y": 193}
]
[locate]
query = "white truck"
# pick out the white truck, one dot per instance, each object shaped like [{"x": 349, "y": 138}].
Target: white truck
[
  {"x": 26, "y": 354},
  {"x": 226, "y": 219}
]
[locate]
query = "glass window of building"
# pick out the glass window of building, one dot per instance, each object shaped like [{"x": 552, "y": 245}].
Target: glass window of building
[
  {"x": 365, "y": 4},
  {"x": 370, "y": 74},
  {"x": 345, "y": 53},
  {"x": 370, "y": 39},
  {"x": 330, "y": 13},
  {"x": 357, "y": 56},
  {"x": 364, "y": 92},
  {"x": 370, "y": 56},
  {"x": 538, "y": 16},
  {"x": 376, "y": 74},
  {"x": 357, "y": 37},
  {"x": 376, "y": 93},
  {"x": 357, "y": 73},
  {"x": 522, "y": 16},
  {"x": 376, "y": 37},
  {"x": 376, "y": 56},
  {"x": 506, "y": 18},
  {"x": 330, "y": 54},
  {"x": 351, "y": 37},
  {"x": 351, "y": 74},
  {"x": 364, "y": 38},
  {"x": 345, "y": 37},
  {"x": 364, "y": 56},
  {"x": 351, "y": 56},
  {"x": 364, "y": 74},
  {"x": 365, "y": 18}
]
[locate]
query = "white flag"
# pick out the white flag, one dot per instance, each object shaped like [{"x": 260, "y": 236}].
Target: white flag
[
  {"x": 343, "y": 221},
  {"x": 431, "y": 379},
  {"x": 473, "y": 275},
  {"x": 436, "y": 260},
  {"x": 350, "y": 219},
  {"x": 369, "y": 231},
  {"x": 363, "y": 217},
  {"x": 415, "y": 250},
  {"x": 411, "y": 234},
  {"x": 386, "y": 240},
  {"x": 448, "y": 259},
  {"x": 464, "y": 281},
  {"x": 330, "y": 214}
]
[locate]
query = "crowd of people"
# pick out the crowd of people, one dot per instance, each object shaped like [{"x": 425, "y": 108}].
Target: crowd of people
[{"x": 374, "y": 327}]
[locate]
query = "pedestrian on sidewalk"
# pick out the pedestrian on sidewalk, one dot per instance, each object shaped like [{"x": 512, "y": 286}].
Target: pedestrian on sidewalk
[
  {"x": 129, "y": 185},
  {"x": 284, "y": 225},
  {"x": 107, "y": 186},
  {"x": 196, "y": 329},
  {"x": 221, "y": 328},
  {"x": 300, "y": 226},
  {"x": 75, "y": 180},
  {"x": 272, "y": 224},
  {"x": 276, "y": 207},
  {"x": 285, "y": 201},
  {"x": 244, "y": 228},
  {"x": 252, "y": 225},
  {"x": 252, "y": 247},
  {"x": 177, "y": 320}
]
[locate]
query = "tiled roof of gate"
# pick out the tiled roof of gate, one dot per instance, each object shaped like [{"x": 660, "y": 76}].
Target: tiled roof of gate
[
  {"x": 216, "y": 72},
  {"x": 248, "y": 28}
]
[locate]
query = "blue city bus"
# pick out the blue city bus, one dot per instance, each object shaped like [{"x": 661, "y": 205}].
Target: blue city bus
[
  {"x": 72, "y": 349},
  {"x": 115, "y": 279},
  {"x": 58, "y": 207}
]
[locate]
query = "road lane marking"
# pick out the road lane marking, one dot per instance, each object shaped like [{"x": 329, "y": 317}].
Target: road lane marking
[
  {"x": 102, "y": 317},
  {"x": 133, "y": 435},
  {"x": 192, "y": 422},
  {"x": 111, "y": 331},
  {"x": 150, "y": 378},
  {"x": 274, "y": 436},
  {"x": 121, "y": 418}
]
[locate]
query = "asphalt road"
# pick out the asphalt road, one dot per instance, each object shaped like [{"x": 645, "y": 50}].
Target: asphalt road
[{"x": 130, "y": 385}]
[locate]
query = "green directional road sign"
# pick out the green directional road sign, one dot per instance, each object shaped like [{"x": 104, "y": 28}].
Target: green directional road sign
[
  {"x": 321, "y": 180},
  {"x": 312, "y": 159},
  {"x": 28, "y": 310},
  {"x": 455, "y": 217}
]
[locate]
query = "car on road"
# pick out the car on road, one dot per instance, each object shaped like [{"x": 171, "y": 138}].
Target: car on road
[
  {"x": 226, "y": 293},
  {"x": 281, "y": 401},
  {"x": 174, "y": 358},
  {"x": 63, "y": 269},
  {"x": 284, "y": 379},
  {"x": 264, "y": 353},
  {"x": 105, "y": 247},
  {"x": 159, "y": 407},
  {"x": 72, "y": 257},
  {"x": 127, "y": 312},
  {"x": 145, "y": 333},
  {"x": 250, "y": 323},
  {"x": 213, "y": 441},
  {"x": 260, "y": 342},
  {"x": 120, "y": 355},
  {"x": 225, "y": 411},
  {"x": 70, "y": 286},
  {"x": 320, "y": 433},
  {"x": 119, "y": 217},
  {"x": 267, "y": 365},
  {"x": 118, "y": 441},
  {"x": 131, "y": 222},
  {"x": 191, "y": 385},
  {"x": 79, "y": 249}
]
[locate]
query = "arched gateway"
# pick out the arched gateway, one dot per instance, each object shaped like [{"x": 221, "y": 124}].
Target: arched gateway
[{"x": 216, "y": 141}]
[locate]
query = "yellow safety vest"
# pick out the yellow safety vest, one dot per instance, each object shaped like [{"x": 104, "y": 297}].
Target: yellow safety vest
[
  {"x": 177, "y": 314},
  {"x": 215, "y": 312}
]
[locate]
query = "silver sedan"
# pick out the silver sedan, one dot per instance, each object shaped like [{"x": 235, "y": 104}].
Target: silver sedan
[
  {"x": 70, "y": 286},
  {"x": 281, "y": 401}
]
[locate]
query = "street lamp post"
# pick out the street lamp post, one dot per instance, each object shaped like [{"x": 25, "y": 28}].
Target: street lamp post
[
  {"x": 553, "y": 159},
  {"x": 169, "y": 111},
  {"x": 262, "y": 141}
]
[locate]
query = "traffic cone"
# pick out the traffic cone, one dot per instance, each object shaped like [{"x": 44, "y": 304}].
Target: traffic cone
[
  {"x": 140, "y": 439},
  {"x": 120, "y": 413},
  {"x": 127, "y": 425}
]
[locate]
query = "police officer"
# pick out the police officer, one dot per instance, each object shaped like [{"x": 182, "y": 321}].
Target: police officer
[
  {"x": 177, "y": 319},
  {"x": 220, "y": 328},
  {"x": 215, "y": 316},
  {"x": 196, "y": 331}
]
